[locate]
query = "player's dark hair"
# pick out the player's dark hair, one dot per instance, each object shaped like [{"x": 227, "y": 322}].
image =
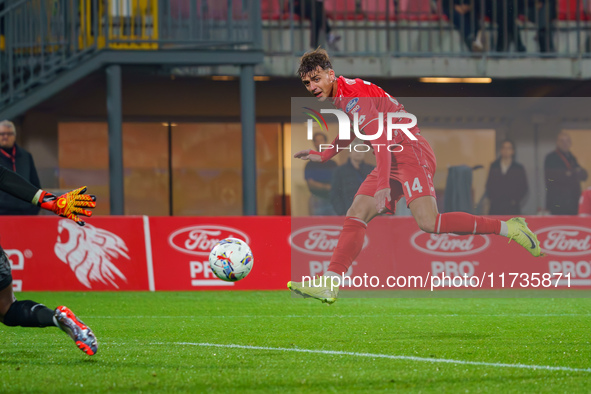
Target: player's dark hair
[{"x": 311, "y": 60}]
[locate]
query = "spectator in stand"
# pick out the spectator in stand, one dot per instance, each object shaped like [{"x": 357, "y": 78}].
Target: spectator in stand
[
  {"x": 506, "y": 186},
  {"x": 563, "y": 176},
  {"x": 585, "y": 203},
  {"x": 346, "y": 181},
  {"x": 314, "y": 11},
  {"x": 319, "y": 178},
  {"x": 465, "y": 16},
  {"x": 542, "y": 13},
  {"x": 504, "y": 13},
  {"x": 16, "y": 159}
]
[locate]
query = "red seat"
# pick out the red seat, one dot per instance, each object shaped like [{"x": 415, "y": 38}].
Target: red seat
[
  {"x": 271, "y": 9},
  {"x": 214, "y": 9},
  {"x": 378, "y": 9},
  {"x": 567, "y": 10},
  {"x": 368, "y": 9},
  {"x": 417, "y": 10},
  {"x": 341, "y": 10},
  {"x": 180, "y": 9}
]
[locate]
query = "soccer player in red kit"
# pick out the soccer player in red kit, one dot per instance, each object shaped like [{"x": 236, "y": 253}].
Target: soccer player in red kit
[{"x": 408, "y": 172}]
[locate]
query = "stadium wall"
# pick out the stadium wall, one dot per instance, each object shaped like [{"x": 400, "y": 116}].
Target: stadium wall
[{"x": 171, "y": 253}]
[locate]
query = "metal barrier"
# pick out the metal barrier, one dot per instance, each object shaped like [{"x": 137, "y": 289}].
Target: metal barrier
[
  {"x": 425, "y": 28},
  {"x": 40, "y": 39}
]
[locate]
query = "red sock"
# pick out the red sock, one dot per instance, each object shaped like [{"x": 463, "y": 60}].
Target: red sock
[
  {"x": 349, "y": 245},
  {"x": 464, "y": 223}
]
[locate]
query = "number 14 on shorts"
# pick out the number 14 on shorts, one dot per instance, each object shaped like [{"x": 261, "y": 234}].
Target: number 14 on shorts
[{"x": 416, "y": 186}]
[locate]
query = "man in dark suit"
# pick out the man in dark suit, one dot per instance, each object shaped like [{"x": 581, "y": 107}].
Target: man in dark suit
[{"x": 563, "y": 176}]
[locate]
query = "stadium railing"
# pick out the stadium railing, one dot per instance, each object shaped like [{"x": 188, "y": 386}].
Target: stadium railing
[
  {"x": 40, "y": 39},
  {"x": 423, "y": 28}
]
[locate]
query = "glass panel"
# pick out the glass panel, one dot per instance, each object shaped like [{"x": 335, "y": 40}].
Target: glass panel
[
  {"x": 145, "y": 162},
  {"x": 457, "y": 147},
  {"x": 295, "y": 141},
  {"x": 206, "y": 163},
  {"x": 270, "y": 198},
  {"x": 580, "y": 149},
  {"x": 84, "y": 160},
  {"x": 207, "y": 169}
]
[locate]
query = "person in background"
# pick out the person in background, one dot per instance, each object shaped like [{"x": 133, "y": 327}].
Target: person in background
[
  {"x": 16, "y": 159},
  {"x": 319, "y": 177},
  {"x": 465, "y": 16},
  {"x": 314, "y": 11},
  {"x": 543, "y": 13},
  {"x": 504, "y": 13},
  {"x": 346, "y": 181},
  {"x": 506, "y": 186},
  {"x": 585, "y": 203},
  {"x": 563, "y": 176}
]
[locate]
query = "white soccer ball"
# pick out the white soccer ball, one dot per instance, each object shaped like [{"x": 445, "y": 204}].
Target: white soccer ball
[{"x": 231, "y": 259}]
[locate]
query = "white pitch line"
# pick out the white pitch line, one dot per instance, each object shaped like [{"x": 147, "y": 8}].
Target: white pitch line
[
  {"x": 374, "y": 355},
  {"x": 337, "y": 316}
]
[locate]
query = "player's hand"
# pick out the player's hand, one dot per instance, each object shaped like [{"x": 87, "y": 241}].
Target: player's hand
[
  {"x": 69, "y": 205},
  {"x": 308, "y": 154},
  {"x": 381, "y": 197}
]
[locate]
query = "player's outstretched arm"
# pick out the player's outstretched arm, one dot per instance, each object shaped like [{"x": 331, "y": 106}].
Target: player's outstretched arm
[
  {"x": 68, "y": 205},
  {"x": 73, "y": 202}
]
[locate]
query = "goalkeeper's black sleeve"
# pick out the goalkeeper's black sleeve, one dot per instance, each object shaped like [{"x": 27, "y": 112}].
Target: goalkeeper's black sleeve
[{"x": 13, "y": 183}]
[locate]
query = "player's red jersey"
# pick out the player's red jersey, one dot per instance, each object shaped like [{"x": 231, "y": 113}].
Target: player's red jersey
[
  {"x": 356, "y": 96},
  {"x": 585, "y": 202},
  {"x": 369, "y": 100}
]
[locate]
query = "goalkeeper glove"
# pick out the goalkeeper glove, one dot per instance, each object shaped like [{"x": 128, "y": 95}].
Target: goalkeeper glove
[{"x": 68, "y": 205}]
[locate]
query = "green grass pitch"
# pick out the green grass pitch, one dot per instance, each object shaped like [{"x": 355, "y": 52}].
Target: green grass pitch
[{"x": 163, "y": 342}]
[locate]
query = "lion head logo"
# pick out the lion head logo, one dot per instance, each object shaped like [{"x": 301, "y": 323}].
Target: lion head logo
[{"x": 89, "y": 252}]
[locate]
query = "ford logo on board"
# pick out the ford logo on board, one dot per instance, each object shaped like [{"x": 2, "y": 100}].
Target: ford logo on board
[
  {"x": 565, "y": 240},
  {"x": 199, "y": 240},
  {"x": 449, "y": 244},
  {"x": 318, "y": 240}
]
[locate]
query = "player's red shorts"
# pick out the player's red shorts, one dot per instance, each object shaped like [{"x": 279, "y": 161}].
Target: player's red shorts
[{"x": 411, "y": 174}]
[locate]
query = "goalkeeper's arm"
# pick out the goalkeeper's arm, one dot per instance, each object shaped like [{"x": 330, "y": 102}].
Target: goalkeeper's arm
[{"x": 68, "y": 205}]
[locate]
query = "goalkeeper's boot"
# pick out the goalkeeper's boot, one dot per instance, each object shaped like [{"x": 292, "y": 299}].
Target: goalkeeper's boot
[
  {"x": 520, "y": 233},
  {"x": 76, "y": 329},
  {"x": 311, "y": 289}
]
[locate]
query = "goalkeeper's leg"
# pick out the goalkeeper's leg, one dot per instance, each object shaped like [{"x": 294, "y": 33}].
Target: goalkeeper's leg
[
  {"x": 19, "y": 313},
  {"x": 32, "y": 314}
]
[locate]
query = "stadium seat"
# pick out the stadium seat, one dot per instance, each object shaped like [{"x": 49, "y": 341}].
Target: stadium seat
[
  {"x": 271, "y": 9},
  {"x": 240, "y": 9},
  {"x": 367, "y": 9},
  {"x": 206, "y": 9},
  {"x": 179, "y": 8},
  {"x": 378, "y": 9},
  {"x": 211, "y": 9},
  {"x": 342, "y": 10},
  {"x": 417, "y": 10},
  {"x": 567, "y": 10}
]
